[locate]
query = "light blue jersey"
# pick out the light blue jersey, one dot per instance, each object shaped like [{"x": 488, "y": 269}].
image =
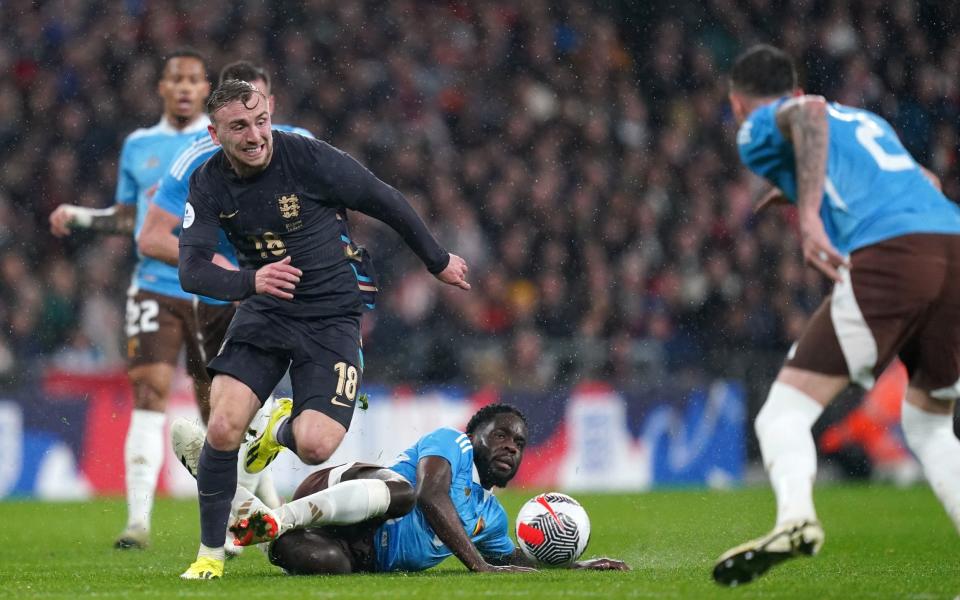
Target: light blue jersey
[
  {"x": 409, "y": 543},
  {"x": 874, "y": 190},
  {"x": 174, "y": 187},
  {"x": 145, "y": 157}
]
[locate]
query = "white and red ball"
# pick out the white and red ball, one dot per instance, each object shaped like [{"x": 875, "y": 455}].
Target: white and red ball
[{"x": 553, "y": 529}]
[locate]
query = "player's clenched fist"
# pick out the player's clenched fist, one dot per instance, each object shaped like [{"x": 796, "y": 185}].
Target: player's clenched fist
[
  {"x": 60, "y": 220},
  {"x": 278, "y": 279},
  {"x": 455, "y": 273}
]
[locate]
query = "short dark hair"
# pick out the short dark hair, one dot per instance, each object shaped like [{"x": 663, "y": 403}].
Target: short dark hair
[
  {"x": 763, "y": 71},
  {"x": 183, "y": 52},
  {"x": 490, "y": 411},
  {"x": 230, "y": 90},
  {"x": 244, "y": 71}
]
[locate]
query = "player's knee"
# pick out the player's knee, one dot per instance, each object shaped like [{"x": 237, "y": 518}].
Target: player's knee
[
  {"x": 314, "y": 452},
  {"x": 402, "y": 499},
  {"x": 303, "y": 552},
  {"x": 224, "y": 432},
  {"x": 149, "y": 390}
]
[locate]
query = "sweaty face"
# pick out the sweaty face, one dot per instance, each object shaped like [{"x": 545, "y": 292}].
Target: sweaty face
[
  {"x": 243, "y": 130},
  {"x": 498, "y": 445},
  {"x": 184, "y": 88}
]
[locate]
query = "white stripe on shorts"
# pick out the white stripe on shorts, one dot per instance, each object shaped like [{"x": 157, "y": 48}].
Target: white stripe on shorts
[{"x": 856, "y": 340}]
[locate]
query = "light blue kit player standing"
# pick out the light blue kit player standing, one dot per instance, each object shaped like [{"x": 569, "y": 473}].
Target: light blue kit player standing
[
  {"x": 875, "y": 222},
  {"x": 160, "y": 319},
  {"x": 159, "y": 240}
]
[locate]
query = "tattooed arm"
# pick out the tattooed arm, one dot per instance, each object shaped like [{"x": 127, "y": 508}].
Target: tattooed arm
[{"x": 803, "y": 121}]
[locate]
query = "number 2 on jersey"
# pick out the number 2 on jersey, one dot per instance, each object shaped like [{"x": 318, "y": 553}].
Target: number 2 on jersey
[{"x": 868, "y": 134}]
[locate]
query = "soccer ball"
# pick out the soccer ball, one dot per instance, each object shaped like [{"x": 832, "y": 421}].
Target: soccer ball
[{"x": 553, "y": 529}]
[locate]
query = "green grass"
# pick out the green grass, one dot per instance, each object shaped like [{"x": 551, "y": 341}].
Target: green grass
[{"x": 881, "y": 543}]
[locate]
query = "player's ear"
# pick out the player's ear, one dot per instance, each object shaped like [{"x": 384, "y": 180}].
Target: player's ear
[
  {"x": 213, "y": 133},
  {"x": 270, "y": 104},
  {"x": 736, "y": 104}
]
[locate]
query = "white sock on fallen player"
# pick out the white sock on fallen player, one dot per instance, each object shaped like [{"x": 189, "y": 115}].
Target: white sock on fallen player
[
  {"x": 345, "y": 503},
  {"x": 142, "y": 457},
  {"x": 789, "y": 453},
  {"x": 244, "y": 479},
  {"x": 931, "y": 438},
  {"x": 267, "y": 490}
]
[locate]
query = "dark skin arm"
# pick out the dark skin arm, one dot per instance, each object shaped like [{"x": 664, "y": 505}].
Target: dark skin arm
[
  {"x": 433, "y": 497},
  {"x": 594, "y": 564},
  {"x": 803, "y": 121}
]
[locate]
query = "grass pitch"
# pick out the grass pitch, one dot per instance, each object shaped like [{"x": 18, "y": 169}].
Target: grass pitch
[{"x": 881, "y": 543}]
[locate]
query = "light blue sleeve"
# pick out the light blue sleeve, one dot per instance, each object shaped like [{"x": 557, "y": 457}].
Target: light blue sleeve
[
  {"x": 172, "y": 194},
  {"x": 446, "y": 443},
  {"x": 495, "y": 542},
  {"x": 296, "y": 130},
  {"x": 761, "y": 144},
  {"x": 126, "y": 182}
]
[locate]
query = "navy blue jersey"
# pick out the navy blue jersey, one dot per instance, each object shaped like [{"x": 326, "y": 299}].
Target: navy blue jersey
[
  {"x": 296, "y": 207},
  {"x": 173, "y": 190}
]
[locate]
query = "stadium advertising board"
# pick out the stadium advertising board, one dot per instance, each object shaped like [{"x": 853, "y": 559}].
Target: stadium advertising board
[{"x": 65, "y": 440}]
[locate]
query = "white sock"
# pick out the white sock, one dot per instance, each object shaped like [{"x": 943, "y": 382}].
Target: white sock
[
  {"x": 244, "y": 479},
  {"x": 267, "y": 491},
  {"x": 143, "y": 457},
  {"x": 931, "y": 438},
  {"x": 789, "y": 453},
  {"x": 342, "y": 504},
  {"x": 214, "y": 553}
]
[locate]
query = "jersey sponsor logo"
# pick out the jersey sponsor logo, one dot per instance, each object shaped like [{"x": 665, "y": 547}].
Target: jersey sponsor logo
[
  {"x": 188, "y": 216},
  {"x": 224, "y": 215},
  {"x": 289, "y": 206}
]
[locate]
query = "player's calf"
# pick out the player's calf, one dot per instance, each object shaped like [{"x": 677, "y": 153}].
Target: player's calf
[{"x": 309, "y": 552}]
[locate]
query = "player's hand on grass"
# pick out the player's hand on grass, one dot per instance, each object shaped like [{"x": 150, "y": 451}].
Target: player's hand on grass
[
  {"x": 60, "y": 220},
  {"x": 278, "y": 279},
  {"x": 602, "y": 564},
  {"x": 455, "y": 273},
  {"x": 488, "y": 568},
  {"x": 818, "y": 252}
]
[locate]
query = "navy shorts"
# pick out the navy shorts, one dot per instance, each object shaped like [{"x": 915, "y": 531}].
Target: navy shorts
[{"x": 323, "y": 354}]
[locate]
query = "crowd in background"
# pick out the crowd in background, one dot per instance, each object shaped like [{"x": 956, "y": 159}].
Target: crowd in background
[{"x": 581, "y": 159}]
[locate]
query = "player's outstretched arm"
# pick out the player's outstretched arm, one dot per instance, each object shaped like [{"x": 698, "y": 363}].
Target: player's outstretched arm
[
  {"x": 804, "y": 122},
  {"x": 594, "y": 564},
  {"x": 434, "y": 476},
  {"x": 119, "y": 218}
]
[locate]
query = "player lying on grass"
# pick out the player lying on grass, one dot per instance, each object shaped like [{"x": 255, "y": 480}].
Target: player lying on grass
[{"x": 434, "y": 501}]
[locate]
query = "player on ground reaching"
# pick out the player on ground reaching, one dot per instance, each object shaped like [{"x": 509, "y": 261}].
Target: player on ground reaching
[
  {"x": 874, "y": 223},
  {"x": 358, "y": 517},
  {"x": 281, "y": 198},
  {"x": 159, "y": 239},
  {"x": 160, "y": 317}
]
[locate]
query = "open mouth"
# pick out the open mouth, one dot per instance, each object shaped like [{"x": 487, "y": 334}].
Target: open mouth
[{"x": 254, "y": 152}]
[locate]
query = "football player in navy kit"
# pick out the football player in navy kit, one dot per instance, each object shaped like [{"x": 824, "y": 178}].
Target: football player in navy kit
[{"x": 281, "y": 199}]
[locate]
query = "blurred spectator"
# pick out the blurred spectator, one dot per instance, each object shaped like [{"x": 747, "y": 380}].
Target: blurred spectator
[{"x": 580, "y": 158}]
